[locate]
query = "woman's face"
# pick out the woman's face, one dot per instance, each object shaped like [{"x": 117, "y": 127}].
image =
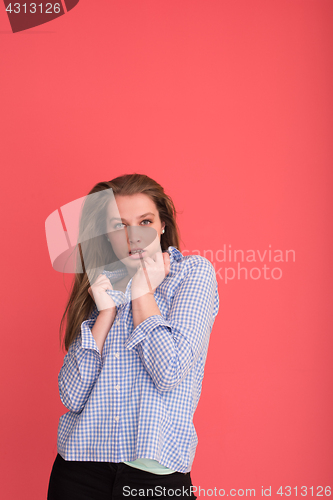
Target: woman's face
[{"x": 133, "y": 222}]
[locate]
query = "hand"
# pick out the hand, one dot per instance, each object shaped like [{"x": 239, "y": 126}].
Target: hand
[
  {"x": 98, "y": 293},
  {"x": 150, "y": 274}
]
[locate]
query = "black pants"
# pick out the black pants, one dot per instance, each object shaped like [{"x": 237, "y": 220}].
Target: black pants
[{"x": 75, "y": 480}]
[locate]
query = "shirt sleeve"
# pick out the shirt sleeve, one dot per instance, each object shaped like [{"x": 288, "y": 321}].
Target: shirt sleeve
[
  {"x": 81, "y": 367},
  {"x": 169, "y": 347}
]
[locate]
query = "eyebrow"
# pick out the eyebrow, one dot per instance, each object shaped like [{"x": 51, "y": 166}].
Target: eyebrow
[{"x": 139, "y": 217}]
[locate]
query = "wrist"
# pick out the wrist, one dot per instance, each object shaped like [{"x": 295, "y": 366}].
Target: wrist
[
  {"x": 110, "y": 311},
  {"x": 140, "y": 301}
]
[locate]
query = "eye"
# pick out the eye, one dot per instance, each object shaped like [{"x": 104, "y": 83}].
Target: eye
[
  {"x": 146, "y": 220},
  {"x": 118, "y": 224}
]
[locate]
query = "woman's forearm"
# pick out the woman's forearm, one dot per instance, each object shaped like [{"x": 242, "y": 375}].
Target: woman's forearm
[
  {"x": 143, "y": 307},
  {"x": 102, "y": 326}
]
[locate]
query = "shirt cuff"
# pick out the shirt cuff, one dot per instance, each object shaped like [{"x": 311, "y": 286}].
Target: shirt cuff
[
  {"x": 143, "y": 329},
  {"x": 88, "y": 340},
  {"x": 118, "y": 297}
]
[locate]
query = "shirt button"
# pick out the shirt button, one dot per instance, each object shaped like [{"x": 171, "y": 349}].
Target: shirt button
[
  {"x": 117, "y": 322},
  {"x": 117, "y": 387},
  {"x": 117, "y": 354},
  {"x": 116, "y": 419}
]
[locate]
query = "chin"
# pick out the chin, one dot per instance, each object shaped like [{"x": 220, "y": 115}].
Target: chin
[{"x": 131, "y": 262}]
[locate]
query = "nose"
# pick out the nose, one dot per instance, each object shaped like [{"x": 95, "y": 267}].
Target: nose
[{"x": 133, "y": 234}]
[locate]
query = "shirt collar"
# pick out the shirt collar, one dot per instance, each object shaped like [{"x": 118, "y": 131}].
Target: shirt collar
[
  {"x": 118, "y": 274},
  {"x": 175, "y": 254}
]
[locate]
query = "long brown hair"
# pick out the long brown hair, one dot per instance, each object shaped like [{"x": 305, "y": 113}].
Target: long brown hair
[{"x": 80, "y": 304}]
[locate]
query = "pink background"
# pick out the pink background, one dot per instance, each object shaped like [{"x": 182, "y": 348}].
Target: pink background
[{"x": 228, "y": 104}]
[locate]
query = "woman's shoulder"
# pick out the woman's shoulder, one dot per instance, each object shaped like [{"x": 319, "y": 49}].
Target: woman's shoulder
[
  {"x": 196, "y": 272},
  {"x": 192, "y": 262}
]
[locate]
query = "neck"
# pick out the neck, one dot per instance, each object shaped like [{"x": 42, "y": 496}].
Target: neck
[{"x": 131, "y": 273}]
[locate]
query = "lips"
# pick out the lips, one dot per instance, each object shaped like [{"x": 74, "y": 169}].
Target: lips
[{"x": 136, "y": 250}]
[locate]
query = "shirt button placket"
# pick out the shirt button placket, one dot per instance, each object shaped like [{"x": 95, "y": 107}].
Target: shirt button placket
[{"x": 116, "y": 398}]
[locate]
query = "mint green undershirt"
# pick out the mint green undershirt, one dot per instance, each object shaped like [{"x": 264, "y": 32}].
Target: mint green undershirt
[{"x": 149, "y": 465}]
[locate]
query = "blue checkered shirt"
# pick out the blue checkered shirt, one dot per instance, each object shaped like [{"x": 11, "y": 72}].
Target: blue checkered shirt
[{"x": 138, "y": 399}]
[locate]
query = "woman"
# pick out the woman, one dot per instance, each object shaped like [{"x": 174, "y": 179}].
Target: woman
[{"x": 132, "y": 376}]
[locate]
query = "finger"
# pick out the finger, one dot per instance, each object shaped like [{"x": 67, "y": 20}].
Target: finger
[
  {"x": 149, "y": 260},
  {"x": 103, "y": 282},
  {"x": 102, "y": 279},
  {"x": 166, "y": 258},
  {"x": 166, "y": 255},
  {"x": 144, "y": 262},
  {"x": 159, "y": 257},
  {"x": 166, "y": 265}
]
